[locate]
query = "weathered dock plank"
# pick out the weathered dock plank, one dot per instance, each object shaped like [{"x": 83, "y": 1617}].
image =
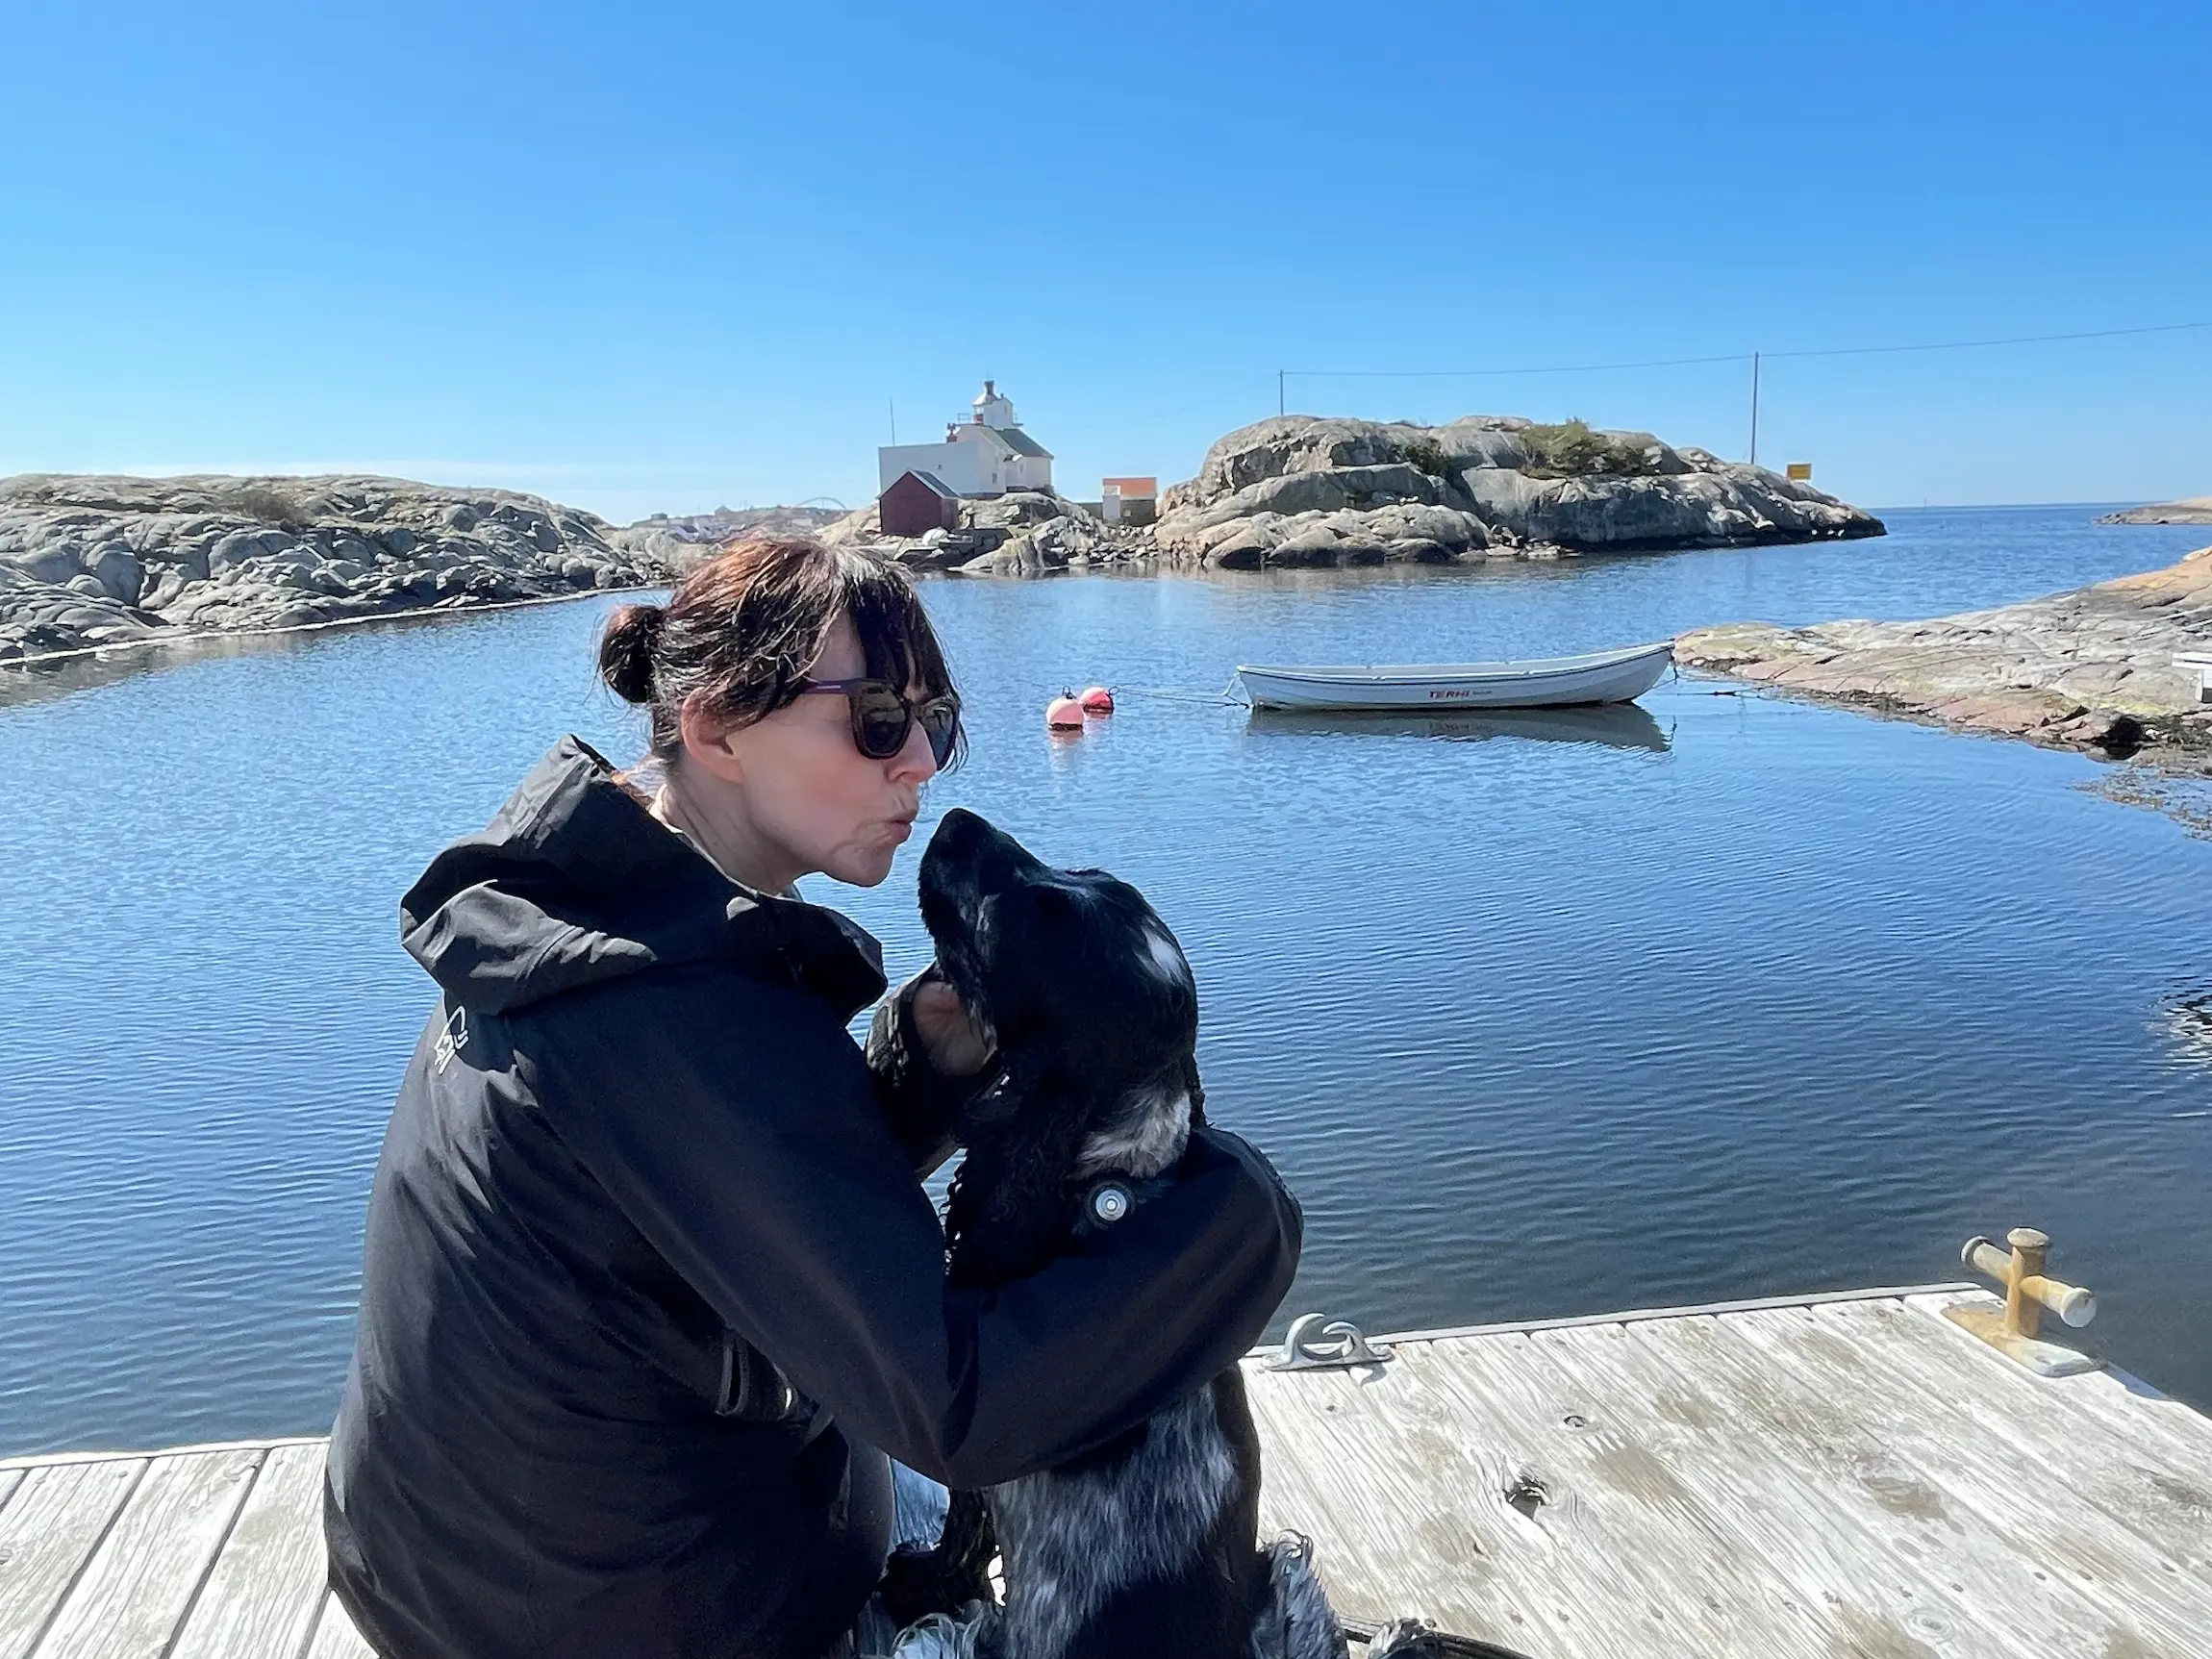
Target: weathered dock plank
[
  {"x": 9, "y": 1480},
  {"x": 1834, "y": 1475},
  {"x": 266, "y": 1587},
  {"x": 2147, "y": 1572},
  {"x": 50, "y": 1528},
  {"x": 1591, "y": 1489},
  {"x": 2162, "y": 1495},
  {"x": 2124, "y": 1407},
  {"x": 139, "y": 1582},
  {"x": 1388, "y": 1481},
  {"x": 1952, "y": 1581},
  {"x": 1727, "y": 1443},
  {"x": 335, "y": 1638}
]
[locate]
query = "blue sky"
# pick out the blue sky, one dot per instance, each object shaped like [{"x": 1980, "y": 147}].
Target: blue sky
[{"x": 658, "y": 257}]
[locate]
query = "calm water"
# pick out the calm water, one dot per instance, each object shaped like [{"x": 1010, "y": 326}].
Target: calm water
[{"x": 1736, "y": 997}]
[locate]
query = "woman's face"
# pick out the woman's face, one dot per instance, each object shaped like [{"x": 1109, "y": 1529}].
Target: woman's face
[{"x": 798, "y": 796}]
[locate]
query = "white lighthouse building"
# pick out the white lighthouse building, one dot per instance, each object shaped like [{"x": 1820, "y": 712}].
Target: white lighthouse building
[{"x": 987, "y": 454}]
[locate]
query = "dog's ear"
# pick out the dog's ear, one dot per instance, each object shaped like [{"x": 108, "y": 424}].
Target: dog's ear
[
  {"x": 1007, "y": 1206},
  {"x": 1196, "y": 1088}
]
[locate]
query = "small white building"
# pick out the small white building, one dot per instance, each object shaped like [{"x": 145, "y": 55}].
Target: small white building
[{"x": 988, "y": 454}]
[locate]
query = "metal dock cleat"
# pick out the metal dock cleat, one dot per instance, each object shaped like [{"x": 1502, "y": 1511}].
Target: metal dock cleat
[
  {"x": 2016, "y": 1331},
  {"x": 1317, "y": 1343}
]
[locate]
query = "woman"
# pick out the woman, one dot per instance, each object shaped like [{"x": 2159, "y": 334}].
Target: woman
[{"x": 652, "y": 1288}]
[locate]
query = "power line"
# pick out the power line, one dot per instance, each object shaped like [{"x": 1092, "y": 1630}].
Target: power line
[
  {"x": 1731, "y": 357},
  {"x": 1470, "y": 373},
  {"x": 1977, "y": 345}
]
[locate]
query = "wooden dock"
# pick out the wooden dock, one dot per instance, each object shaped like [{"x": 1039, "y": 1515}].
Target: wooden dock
[
  {"x": 1848, "y": 1475},
  {"x": 204, "y": 1552},
  {"x": 1826, "y": 1477}
]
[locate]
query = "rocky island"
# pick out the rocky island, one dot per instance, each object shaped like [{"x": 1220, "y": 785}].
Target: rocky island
[
  {"x": 2090, "y": 669},
  {"x": 88, "y": 562},
  {"x": 2196, "y": 510},
  {"x": 1300, "y": 491}
]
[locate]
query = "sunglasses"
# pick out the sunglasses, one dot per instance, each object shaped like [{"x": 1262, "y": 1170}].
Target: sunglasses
[{"x": 882, "y": 718}]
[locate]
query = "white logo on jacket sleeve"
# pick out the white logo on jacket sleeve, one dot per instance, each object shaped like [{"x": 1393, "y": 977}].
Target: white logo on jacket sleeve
[{"x": 451, "y": 1040}]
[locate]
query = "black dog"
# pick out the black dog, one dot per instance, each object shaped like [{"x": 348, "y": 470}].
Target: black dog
[{"x": 1148, "y": 1544}]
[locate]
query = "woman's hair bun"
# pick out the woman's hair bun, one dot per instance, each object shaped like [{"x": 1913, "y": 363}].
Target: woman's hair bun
[{"x": 626, "y": 650}]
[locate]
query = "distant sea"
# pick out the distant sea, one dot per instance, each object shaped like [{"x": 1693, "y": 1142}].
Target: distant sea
[{"x": 1721, "y": 997}]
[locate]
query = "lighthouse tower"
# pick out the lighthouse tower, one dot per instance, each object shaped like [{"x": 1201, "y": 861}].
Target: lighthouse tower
[
  {"x": 988, "y": 454},
  {"x": 994, "y": 408}
]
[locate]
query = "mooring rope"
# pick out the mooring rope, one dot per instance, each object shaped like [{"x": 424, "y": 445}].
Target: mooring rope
[{"x": 1174, "y": 693}]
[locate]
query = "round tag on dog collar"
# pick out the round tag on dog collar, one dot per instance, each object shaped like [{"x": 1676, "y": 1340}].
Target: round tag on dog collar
[{"x": 1109, "y": 1202}]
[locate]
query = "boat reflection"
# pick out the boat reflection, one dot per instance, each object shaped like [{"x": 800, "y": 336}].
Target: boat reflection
[{"x": 1612, "y": 725}]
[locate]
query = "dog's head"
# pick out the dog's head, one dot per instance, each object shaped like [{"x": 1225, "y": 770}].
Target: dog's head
[{"x": 1095, "y": 1018}]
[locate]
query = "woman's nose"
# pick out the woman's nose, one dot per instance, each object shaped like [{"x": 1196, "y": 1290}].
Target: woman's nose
[{"x": 915, "y": 761}]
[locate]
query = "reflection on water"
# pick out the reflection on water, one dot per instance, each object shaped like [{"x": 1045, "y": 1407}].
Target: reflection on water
[
  {"x": 1721, "y": 996},
  {"x": 1612, "y": 725},
  {"x": 38, "y": 682},
  {"x": 86, "y": 671},
  {"x": 2187, "y": 1021}
]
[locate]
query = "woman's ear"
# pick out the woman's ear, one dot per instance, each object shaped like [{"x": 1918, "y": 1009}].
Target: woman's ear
[{"x": 711, "y": 743}]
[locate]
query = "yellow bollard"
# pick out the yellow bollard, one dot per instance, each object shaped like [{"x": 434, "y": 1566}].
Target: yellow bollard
[{"x": 2028, "y": 1290}]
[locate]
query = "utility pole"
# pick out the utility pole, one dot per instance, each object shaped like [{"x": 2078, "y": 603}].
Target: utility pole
[
  {"x": 894, "y": 423},
  {"x": 1754, "y": 409},
  {"x": 1280, "y": 392}
]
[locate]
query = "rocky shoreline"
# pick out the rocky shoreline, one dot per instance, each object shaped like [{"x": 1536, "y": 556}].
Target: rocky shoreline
[
  {"x": 92, "y": 563},
  {"x": 2090, "y": 669},
  {"x": 89, "y": 564}
]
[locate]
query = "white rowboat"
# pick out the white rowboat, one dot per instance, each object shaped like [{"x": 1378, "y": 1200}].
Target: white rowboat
[{"x": 1545, "y": 683}]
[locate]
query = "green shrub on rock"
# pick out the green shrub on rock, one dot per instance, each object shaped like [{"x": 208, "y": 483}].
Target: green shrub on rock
[
  {"x": 1425, "y": 455},
  {"x": 1571, "y": 449},
  {"x": 269, "y": 506}
]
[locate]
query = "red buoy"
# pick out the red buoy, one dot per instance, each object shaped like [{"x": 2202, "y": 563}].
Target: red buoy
[
  {"x": 1097, "y": 700},
  {"x": 1064, "y": 714}
]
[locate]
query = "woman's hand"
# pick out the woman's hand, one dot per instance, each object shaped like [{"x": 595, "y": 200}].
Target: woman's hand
[{"x": 957, "y": 1045}]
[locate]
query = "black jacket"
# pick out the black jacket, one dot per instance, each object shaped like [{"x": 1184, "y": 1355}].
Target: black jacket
[{"x": 642, "y": 1205}]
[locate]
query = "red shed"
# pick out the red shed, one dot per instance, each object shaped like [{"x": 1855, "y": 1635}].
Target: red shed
[{"x": 918, "y": 503}]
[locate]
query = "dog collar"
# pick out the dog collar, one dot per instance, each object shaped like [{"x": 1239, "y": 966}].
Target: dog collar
[{"x": 1108, "y": 1202}]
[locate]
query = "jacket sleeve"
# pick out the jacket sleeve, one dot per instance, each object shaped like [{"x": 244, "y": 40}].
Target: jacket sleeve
[
  {"x": 739, "y": 1129},
  {"x": 921, "y": 1104}
]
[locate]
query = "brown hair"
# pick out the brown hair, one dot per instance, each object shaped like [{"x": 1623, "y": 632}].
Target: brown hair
[{"x": 740, "y": 632}]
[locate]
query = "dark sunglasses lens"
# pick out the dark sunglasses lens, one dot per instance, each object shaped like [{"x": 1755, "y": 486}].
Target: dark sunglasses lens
[
  {"x": 880, "y": 722},
  {"x": 940, "y": 720}
]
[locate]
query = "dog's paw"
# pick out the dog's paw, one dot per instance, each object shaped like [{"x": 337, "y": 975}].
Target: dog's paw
[{"x": 1297, "y": 1623}]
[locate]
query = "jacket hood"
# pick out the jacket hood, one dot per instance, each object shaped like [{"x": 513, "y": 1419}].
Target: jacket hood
[{"x": 574, "y": 883}]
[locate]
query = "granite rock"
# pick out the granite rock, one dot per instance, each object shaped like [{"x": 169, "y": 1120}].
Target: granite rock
[
  {"x": 88, "y": 562},
  {"x": 1481, "y": 487},
  {"x": 2092, "y": 668},
  {"x": 2195, "y": 510}
]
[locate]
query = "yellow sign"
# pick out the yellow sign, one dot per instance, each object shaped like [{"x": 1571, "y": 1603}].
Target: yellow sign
[{"x": 1800, "y": 471}]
